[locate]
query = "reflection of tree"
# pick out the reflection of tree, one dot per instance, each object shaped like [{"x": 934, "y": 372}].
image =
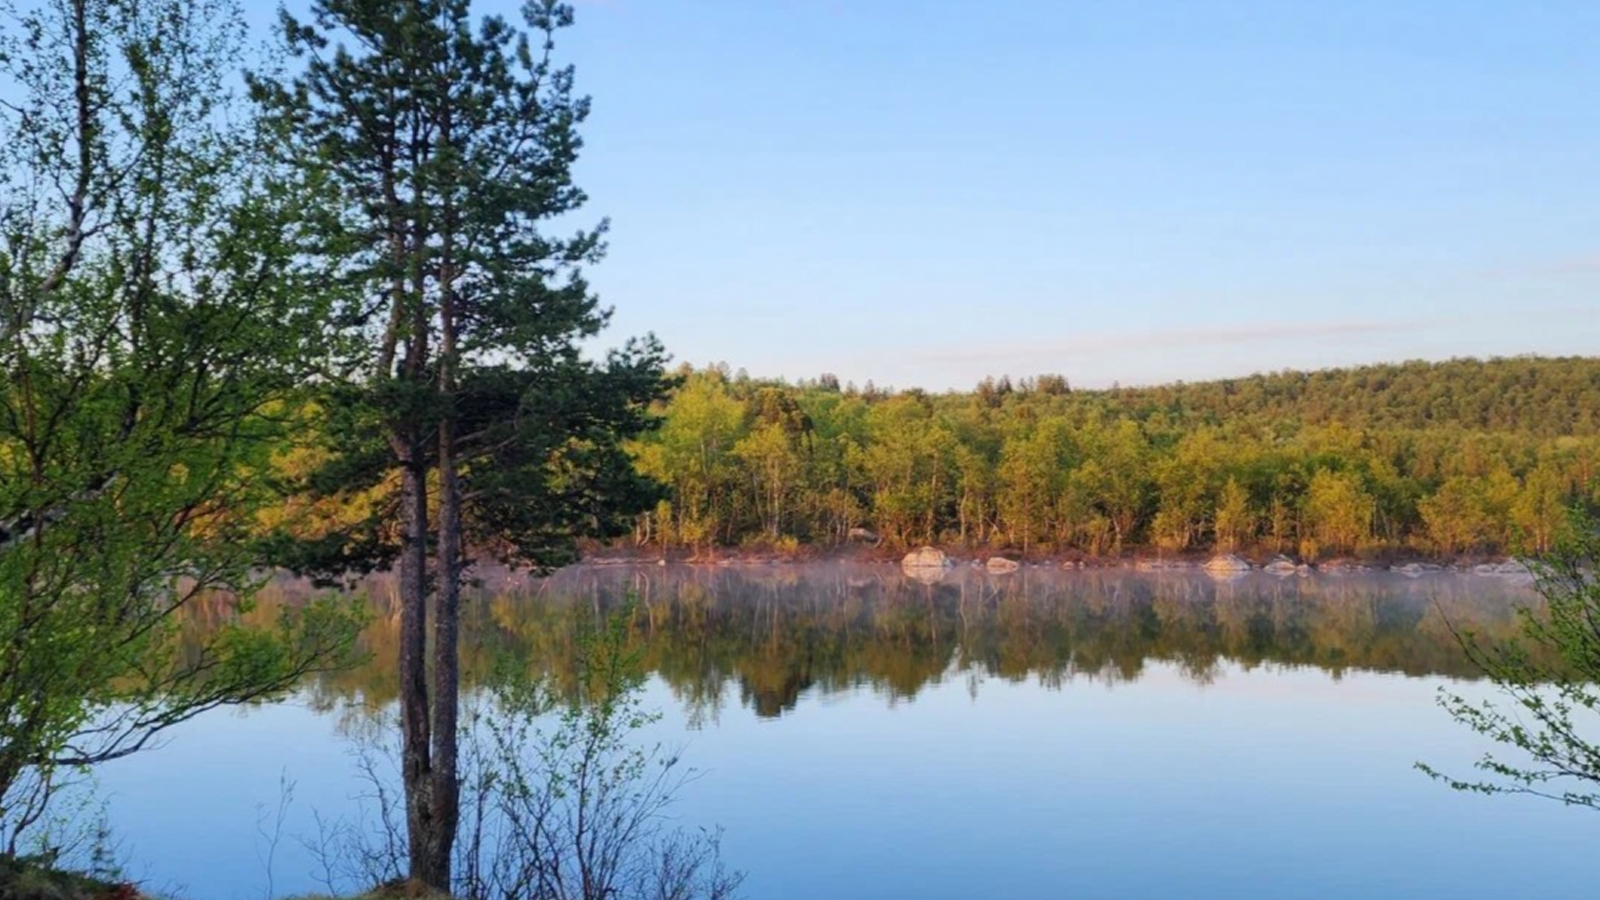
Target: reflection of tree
[{"x": 770, "y": 635}]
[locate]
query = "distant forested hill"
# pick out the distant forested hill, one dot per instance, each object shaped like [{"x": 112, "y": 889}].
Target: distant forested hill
[{"x": 1527, "y": 395}]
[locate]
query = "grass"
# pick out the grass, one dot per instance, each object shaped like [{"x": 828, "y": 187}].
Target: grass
[{"x": 32, "y": 878}]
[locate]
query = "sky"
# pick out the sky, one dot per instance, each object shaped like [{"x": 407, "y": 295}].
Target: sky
[{"x": 926, "y": 192}]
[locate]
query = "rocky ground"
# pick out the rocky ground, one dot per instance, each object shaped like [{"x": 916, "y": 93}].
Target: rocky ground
[{"x": 1000, "y": 562}]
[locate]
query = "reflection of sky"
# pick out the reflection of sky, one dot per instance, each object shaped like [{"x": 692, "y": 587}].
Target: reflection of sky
[{"x": 1271, "y": 783}]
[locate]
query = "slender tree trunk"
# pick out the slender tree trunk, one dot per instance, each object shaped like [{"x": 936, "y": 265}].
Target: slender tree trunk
[
  {"x": 446, "y": 789},
  {"x": 416, "y": 764}
]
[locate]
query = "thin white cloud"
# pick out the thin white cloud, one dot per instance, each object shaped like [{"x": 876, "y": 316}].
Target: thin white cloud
[
  {"x": 1106, "y": 343},
  {"x": 1588, "y": 264},
  {"x": 1580, "y": 265}
]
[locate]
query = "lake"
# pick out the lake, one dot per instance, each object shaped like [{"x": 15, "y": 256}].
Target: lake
[{"x": 1044, "y": 734}]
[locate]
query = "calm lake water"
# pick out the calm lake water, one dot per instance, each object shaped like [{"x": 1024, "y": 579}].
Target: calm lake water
[{"x": 1045, "y": 734}]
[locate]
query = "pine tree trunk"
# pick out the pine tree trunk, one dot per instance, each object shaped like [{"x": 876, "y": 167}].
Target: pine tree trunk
[
  {"x": 446, "y": 788},
  {"x": 416, "y": 764}
]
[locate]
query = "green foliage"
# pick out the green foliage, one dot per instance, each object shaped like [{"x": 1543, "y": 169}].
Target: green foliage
[
  {"x": 1547, "y": 722},
  {"x": 152, "y": 319},
  {"x": 1455, "y": 517},
  {"x": 1236, "y": 519},
  {"x": 457, "y": 314},
  {"x": 1338, "y": 514},
  {"x": 692, "y": 454},
  {"x": 1410, "y": 458},
  {"x": 39, "y": 878}
]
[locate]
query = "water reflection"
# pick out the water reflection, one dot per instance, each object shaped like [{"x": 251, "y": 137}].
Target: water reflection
[
  {"x": 1259, "y": 741},
  {"x": 764, "y": 636}
]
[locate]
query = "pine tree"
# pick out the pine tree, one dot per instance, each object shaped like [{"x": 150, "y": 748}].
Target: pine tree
[{"x": 444, "y": 146}]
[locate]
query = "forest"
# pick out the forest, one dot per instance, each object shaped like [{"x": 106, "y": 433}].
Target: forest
[{"x": 1460, "y": 458}]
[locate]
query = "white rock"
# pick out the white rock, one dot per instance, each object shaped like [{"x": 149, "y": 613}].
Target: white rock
[
  {"x": 1280, "y": 565},
  {"x": 926, "y": 558},
  {"x": 1226, "y": 562}
]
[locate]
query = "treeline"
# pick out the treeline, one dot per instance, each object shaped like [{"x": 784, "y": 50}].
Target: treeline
[{"x": 1460, "y": 457}]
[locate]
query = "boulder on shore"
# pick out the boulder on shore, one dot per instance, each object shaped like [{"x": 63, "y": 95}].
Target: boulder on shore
[
  {"x": 999, "y": 565},
  {"x": 926, "y": 558},
  {"x": 1226, "y": 562},
  {"x": 1280, "y": 565}
]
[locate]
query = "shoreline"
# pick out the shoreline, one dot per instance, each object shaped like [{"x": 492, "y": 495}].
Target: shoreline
[{"x": 1409, "y": 565}]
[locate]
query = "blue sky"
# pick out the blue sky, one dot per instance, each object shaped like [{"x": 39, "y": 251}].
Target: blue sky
[{"x": 923, "y": 192}]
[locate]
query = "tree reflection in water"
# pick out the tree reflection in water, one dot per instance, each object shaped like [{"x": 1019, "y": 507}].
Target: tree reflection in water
[{"x": 768, "y": 634}]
